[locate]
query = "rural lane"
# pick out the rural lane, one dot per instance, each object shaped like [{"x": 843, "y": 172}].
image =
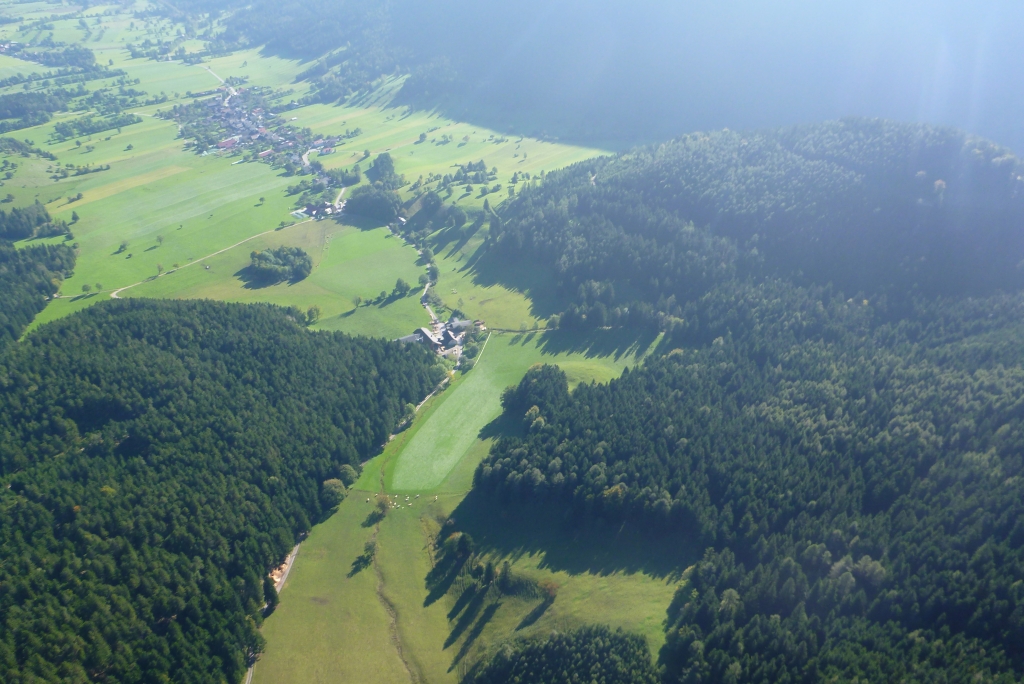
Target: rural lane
[{"x": 116, "y": 294}]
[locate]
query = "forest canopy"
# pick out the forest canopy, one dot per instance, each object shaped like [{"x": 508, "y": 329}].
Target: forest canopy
[
  {"x": 856, "y": 482},
  {"x": 598, "y": 653},
  {"x": 157, "y": 458},
  {"x": 872, "y": 206},
  {"x": 33, "y": 220}
]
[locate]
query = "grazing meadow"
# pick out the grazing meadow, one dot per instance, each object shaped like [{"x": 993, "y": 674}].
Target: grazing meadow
[
  {"x": 158, "y": 220},
  {"x": 426, "y": 471}
]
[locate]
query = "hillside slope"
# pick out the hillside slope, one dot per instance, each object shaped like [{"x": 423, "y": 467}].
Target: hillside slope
[
  {"x": 856, "y": 483},
  {"x": 157, "y": 459},
  {"x": 871, "y": 206}
]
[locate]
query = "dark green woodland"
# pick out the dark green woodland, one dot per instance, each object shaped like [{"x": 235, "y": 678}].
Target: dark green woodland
[
  {"x": 28, "y": 278},
  {"x": 838, "y": 423},
  {"x": 156, "y": 460},
  {"x": 591, "y": 654},
  {"x": 873, "y": 206}
]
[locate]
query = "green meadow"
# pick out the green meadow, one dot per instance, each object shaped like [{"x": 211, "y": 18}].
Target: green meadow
[
  {"x": 188, "y": 223},
  {"x": 427, "y": 470},
  {"x": 165, "y": 222}
]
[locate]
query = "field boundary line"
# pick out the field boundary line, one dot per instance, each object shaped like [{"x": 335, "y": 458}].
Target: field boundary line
[{"x": 414, "y": 675}]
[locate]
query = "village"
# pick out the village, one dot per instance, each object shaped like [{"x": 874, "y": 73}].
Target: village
[{"x": 240, "y": 121}]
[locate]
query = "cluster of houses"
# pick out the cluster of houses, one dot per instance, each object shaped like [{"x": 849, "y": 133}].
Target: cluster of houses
[
  {"x": 444, "y": 336},
  {"x": 321, "y": 211},
  {"x": 247, "y": 125}
]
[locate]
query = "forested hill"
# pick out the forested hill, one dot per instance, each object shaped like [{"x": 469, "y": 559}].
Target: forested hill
[
  {"x": 28, "y": 278},
  {"x": 871, "y": 206},
  {"x": 857, "y": 484},
  {"x": 156, "y": 459}
]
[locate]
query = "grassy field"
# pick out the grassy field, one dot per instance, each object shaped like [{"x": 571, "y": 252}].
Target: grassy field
[
  {"x": 436, "y": 446},
  {"x": 349, "y": 261},
  {"x": 173, "y": 207},
  {"x": 604, "y": 576},
  {"x": 335, "y": 616},
  {"x": 165, "y": 222}
]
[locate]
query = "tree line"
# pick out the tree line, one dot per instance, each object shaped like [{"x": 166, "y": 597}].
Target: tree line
[
  {"x": 34, "y": 220},
  {"x": 855, "y": 481},
  {"x": 157, "y": 458},
  {"x": 591, "y": 654},
  {"x": 28, "y": 278}
]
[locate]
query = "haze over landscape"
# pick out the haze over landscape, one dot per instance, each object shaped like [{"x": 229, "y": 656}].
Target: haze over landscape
[{"x": 380, "y": 340}]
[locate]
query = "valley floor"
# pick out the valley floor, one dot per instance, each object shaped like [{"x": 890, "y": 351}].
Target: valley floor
[
  {"x": 165, "y": 222},
  {"x": 340, "y": 622}
]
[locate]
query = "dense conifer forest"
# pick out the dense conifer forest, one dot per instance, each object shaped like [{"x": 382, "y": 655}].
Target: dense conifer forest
[
  {"x": 156, "y": 460},
  {"x": 591, "y": 654},
  {"x": 28, "y": 278},
  {"x": 27, "y": 222},
  {"x": 856, "y": 482},
  {"x": 885, "y": 208}
]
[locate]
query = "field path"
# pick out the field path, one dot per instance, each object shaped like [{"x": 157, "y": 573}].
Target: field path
[
  {"x": 287, "y": 568},
  {"x": 389, "y": 607},
  {"x": 278, "y": 586},
  {"x": 116, "y": 294}
]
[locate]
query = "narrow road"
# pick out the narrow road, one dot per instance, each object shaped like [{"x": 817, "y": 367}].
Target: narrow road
[
  {"x": 231, "y": 91},
  {"x": 423, "y": 300},
  {"x": 116, "y": 294},
  {"x": 278, "y": 586}
]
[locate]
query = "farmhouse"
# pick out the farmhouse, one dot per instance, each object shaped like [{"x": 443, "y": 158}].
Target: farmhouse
[
  {"x": 319, "y": 211},
  {"x": 448, "y": 336},
  {"x": 424, "y": 336}
]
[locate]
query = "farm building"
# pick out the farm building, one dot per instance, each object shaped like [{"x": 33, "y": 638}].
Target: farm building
[{"x": 450, "y": 335}]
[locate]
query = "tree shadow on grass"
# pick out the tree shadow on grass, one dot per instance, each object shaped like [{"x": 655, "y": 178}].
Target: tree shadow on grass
[
  {"x": 473, "y": 607},
  {"x": 358, "y": 221},
  {"x": 537, "y": 283},
  {"x": 614, "y": 342},
  {"x": 373, "y": 518},
  {"x": 535, "y": 614},
  {"x": 464, "y": 599},
  {"x": 441, "y": 578},
  {"x": 571, "y": 542},
  {"x": 505, "y": 425},
  {"x": 255, "y": 279},
  {"x": 361, "y": 562},
  {"x": 477, "y": 630}
]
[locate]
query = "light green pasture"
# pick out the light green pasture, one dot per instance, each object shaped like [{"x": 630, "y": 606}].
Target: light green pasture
[
  {"x": 329, "y": 622},
  {"x": 349, "y": 261}
]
